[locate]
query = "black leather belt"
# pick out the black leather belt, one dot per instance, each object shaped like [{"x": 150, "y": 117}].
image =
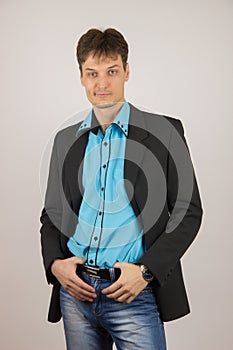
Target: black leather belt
[{"x": 98, "y": 272}]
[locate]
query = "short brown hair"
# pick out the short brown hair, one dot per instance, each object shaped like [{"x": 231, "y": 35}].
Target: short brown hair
[{"x": 107, "y": 43}]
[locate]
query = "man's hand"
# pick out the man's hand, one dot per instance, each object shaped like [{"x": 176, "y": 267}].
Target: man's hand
[
  {"x": 65, "y": 272},
  {"x": 129, "y": 284}
]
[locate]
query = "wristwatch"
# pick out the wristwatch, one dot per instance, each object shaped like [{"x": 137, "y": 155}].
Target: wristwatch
[{"x": 146, "y": 274}]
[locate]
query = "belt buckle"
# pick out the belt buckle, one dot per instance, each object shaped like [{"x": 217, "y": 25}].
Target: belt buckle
[{"x": 92, "y": 271}]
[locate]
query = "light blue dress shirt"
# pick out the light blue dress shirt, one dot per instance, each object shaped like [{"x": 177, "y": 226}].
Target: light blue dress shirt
[{"x": 107, "y": 230}]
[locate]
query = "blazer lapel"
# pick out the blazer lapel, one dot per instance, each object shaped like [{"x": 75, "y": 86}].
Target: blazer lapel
[
  {"x": 72, "y": 172},
  {"x": 135, "y": 181}
]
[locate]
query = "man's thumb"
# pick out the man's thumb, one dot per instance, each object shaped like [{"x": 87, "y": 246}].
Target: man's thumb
[
  {"x": 79, "y": 260},
  {"x": 117, "y": 264}
]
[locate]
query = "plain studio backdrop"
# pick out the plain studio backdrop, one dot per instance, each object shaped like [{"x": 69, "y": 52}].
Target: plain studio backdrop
[{"x": 181, "y": 56}]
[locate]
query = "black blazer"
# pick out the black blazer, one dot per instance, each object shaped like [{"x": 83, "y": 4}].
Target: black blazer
[{"x": 162, "y": 188}]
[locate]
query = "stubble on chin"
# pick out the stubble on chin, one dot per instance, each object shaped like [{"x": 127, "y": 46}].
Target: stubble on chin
[{"x": 105, "y": 105}]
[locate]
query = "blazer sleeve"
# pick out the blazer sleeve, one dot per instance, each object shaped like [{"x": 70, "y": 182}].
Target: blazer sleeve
[
  {"x": 51, "y": 216},
  {"x": 185, "y": 210}
]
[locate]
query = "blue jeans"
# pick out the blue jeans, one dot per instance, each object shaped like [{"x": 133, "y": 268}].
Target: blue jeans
[{"x": 96, "y": 325}]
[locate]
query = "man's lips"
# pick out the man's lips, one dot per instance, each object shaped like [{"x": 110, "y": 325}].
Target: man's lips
[{"x": 102, "y": 94}]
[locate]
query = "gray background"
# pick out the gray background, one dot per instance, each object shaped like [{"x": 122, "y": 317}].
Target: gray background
[{"x": 181, "y": 58}]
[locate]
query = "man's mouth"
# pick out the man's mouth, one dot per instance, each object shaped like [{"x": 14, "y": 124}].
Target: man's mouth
[{"x": 102, "y": 94}]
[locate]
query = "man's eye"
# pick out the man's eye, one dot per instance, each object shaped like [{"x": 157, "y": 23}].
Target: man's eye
[
  {"x": 93, "y": 74},
  {"x": 112, "y": 72}
]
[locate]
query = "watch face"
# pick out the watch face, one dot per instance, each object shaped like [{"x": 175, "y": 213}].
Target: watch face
[{"x": 148, "y": 276}]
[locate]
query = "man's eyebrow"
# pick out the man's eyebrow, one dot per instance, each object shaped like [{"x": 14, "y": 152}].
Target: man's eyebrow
[{"x": 115, "y": 65}]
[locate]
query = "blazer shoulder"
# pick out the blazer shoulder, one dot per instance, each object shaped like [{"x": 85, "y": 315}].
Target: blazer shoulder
[
  {"x": 68, "y": 131},
  {"x": 65, "y": 137},
  {"x": 153, "y": 119}
]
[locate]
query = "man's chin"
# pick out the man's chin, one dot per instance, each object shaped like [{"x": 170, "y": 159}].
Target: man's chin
[{"x": 106, "y": 104}]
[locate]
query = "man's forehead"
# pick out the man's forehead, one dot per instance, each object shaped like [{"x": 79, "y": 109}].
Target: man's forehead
[{"x": 103, "y": 60}]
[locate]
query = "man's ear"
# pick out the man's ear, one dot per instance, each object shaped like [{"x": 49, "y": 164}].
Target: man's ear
[{"x": 127, "y": 72}]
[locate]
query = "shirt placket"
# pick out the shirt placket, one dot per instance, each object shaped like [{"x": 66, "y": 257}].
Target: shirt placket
[{"x": 101, "y": 188}]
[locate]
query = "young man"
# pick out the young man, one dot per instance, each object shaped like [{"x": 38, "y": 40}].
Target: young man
[{"x": 122, "y": 206}]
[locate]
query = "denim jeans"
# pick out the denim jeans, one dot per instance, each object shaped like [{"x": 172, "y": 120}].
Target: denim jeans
[{"x": 96, "y": 325}]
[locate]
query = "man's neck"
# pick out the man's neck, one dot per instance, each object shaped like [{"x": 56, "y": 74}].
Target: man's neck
[{"x": 105, "y": 114}]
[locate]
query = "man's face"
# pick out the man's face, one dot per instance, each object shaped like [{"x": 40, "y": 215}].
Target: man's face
[{"x": 104, "y": 80}]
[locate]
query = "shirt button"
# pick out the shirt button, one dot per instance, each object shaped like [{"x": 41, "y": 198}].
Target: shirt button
[
  {"x": 91, "y": 261},
  {"x": 96, "y": 238},
  {"x": 105, "y": 143},
  {"x": 104, "y": 166},
  {"x": 102, "y": 188},
  {"x": 100, "y": 213}
]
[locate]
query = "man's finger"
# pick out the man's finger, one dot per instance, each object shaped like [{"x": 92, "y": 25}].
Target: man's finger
[
  {"x": 80, "y": 296},
  {"x": 125, "y": 298},
  {"x": 113, "y": 288},
  {"x": 117, "y": 294},
  {"x": 78, "y": 260},
  {"x": 78, "y": 282},
  {"x": 80, "y": 293}
]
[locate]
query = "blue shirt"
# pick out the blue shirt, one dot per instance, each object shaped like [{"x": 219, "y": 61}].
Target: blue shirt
[{"x": 107, "y": 230}]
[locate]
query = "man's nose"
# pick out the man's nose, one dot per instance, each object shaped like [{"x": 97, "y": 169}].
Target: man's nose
[{"x": 102, "y": 83}]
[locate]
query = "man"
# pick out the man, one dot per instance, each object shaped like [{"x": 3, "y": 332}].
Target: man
[{"x": 122, "y": 206}]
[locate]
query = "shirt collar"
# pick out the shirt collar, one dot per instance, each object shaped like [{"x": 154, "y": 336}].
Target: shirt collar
[{"x": 121, "y": 120}]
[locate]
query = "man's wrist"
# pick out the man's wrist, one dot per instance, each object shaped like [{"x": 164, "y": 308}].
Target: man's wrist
[
  {"x": 146, "y": 273},
  {"x": 53, "y": 265}
]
